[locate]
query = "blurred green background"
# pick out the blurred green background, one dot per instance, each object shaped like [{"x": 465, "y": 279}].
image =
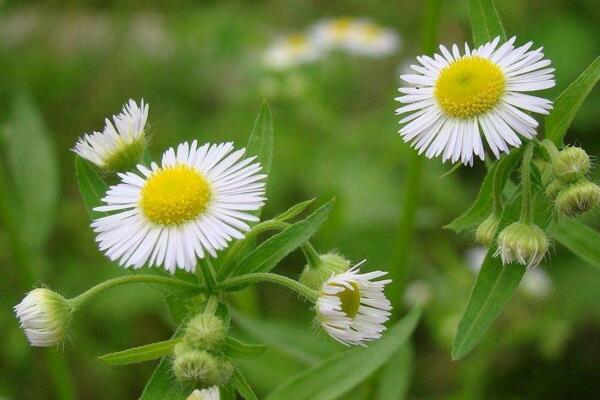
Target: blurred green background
[{"x": 65, "y": 66}]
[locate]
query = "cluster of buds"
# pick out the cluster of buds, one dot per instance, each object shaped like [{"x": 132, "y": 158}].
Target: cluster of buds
[
  {"x": 569, "y": 187},
  {"x": 199, "y": 359}
]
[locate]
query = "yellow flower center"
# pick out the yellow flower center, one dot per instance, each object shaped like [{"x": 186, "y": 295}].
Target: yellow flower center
[
  {"x": 350, "y": 300},
  {"x": 174, "y": 195},
  {"x": 372, "y": 32},
  {"x": 469, "y": 87},
  {"x": 341, "y": 26}
]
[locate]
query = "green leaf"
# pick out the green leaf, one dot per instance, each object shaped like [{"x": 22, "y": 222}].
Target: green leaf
[
  {"x": 495, "y": 283},
  {"x": 33, "y": 166},
  {"x": 260, "y": 143},
  {"x": 394, "y": 378},
  {"x": 485, "y": 22},
  {"x": 568, "y": 102},
  {"x": 582, "y": 240},
  {"x": 91, "y": 186},
  {"x": 239, "y": 381},
  {"x": 140, "y": 354},
  {"x": 270, "y": 252},
  {"x": 162, "y": 384},
  {"x": 494, "y": 182},
  {"x": 238, "y": 349},
  {"x": 337, "y": 375},
  {"x": 295, "y": 342},
  {"x": 294, "y": 210}
]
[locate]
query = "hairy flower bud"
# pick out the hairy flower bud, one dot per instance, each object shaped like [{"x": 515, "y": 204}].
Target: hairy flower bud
[
  {"x": 486, "y": 230},
  {"x": 330, "y": 264},
  {"x": 571, "y": 164},
  {"x": 554, "y": 188},
  {"x": 205, "y": 332},
  {"x": 577, "y": 198},
  {"x": 200, "y": 368},
  {"x": 44, "y": 316},
  {"x": 522, "y": 243}
]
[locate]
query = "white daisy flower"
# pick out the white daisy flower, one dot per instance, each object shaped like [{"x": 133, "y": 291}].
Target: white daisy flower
[
  {"x": 291, "y": 51},
  {"x": 211, "y": 393},
  {"x": 44, "y": 315},
  {"x": 121, "y": 143},
  {"x": 352, "y": 307},
  {"x": 454, "y": 98},
  {"x": 194, "y": 203},
  {"x": 334, "y": 33},
  {"x": 371, "y": 40}
]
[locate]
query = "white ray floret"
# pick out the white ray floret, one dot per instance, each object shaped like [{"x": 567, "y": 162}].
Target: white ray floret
[
  {"x": 291, "y": 51},
  {"x": 126, "y": 129},
  {"x": 212, "y": 393},
  {"x": 194, "y": 203},
  {"x": 352, "y": 307},
  {"x": 454, "y": 99}
]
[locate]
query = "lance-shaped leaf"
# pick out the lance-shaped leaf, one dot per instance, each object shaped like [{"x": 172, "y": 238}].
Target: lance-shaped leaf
[
  {"x": 140, "y": 354},
  {"x": 342, "y": 372},
  {"x": 91, "y": 186},
  {"x": 496, "y": 282},
  {"x": 260, "y": 143},
  {"x": 582, "y": 240},
  {"x": 242, "y": 387},
  {"x": 493, "y": 185},
  {"x": 568, "y": 103},
  {"x": 394, "y": 378},
  {"x": 294, "y": 210},
  {"x": 238, "y": 349},
  {"x": 270, "y": 252},
  {"x": 485, "y": 21}
]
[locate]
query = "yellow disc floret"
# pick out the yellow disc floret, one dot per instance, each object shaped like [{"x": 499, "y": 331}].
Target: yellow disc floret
[
  {"x": 350, "y": 299},
  {"x": 174, "y": 195},
  {"x": 469, "y": 87}
]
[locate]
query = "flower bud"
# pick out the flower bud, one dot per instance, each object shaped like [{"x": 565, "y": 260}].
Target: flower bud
[
  {"x": 205, "y": 332},
  {"x": 523, "y": 243},
  {"x": 577, "y": 198},
  {"x": 44, "y": 315},
  {"x": 486, "y": 230},
  {"x": 205, "y": 394},
  {"x": 554, "y": 188},
  {"x": 200, "y": 368},
  {"x": 330, "y": 264},
  {"x": 571, "y": 164}
]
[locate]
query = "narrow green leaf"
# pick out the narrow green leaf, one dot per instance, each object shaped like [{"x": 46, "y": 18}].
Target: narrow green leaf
[
  {"x": 260, "y": 143},
  {"x": 241, "y": 385},
  {"x": 495, "y": 283},
  {"x": 270, "y": 252},
  {"x": 162, "y": 384},
  {"x": 33, "y": 166},
  {"x": 569, "y": 101},
  {"x": 495, "y": 180},
  {"x": 294, "y": 210},
  {"x": 238, "y": 349},
  {"x": 394, "y": 378},
  {"x": 91, "y": 186},
  {"x": 485, "y": 22},
  {"x": 582, "y": 240},
  {"x": 140, "y": 354},
  {"x": 337, "y": 375},
  {"x": 293, "y": 341}
]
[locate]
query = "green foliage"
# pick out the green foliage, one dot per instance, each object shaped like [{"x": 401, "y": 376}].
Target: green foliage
[
  {"x": 568, "y": 103},
  {"x": 260, "y": 143},
  {"x": 241, "y": 385},
  {"x": 340, "y": 373},
  {"x": 238, "y": 349},
  {"x": 582, "y": 240},
  {"x": 396, "y": 374},
  {"x": 140, "y": 354},
  {"x": 485, "y": 22},
  {"x": 91, "y": 186}
]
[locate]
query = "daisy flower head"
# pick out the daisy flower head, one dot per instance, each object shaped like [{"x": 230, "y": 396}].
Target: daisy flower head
[
  {"x": 291, "y": 51},
  {"x": 371, "y": 40},
  {"x": 334, "y": 33},
  {"x": 454, "y": 98},
  {"x": 352, "y": 307},
  {"x": 211, "y": 393},
  {"x": 121, "y": 143},
  {"x": 193, "y": 203}
]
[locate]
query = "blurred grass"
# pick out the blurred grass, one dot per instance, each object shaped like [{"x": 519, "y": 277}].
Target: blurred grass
[{"x": 197, "y": 65}]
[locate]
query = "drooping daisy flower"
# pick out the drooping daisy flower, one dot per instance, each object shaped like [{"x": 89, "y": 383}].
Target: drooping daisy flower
[
  {"x": 352, "y": 307},
  {"x": 194, "y": 203},
  {"x": 371, "y": 40},
  {"x": 291, "y": 51},
  {"x": 121, "y": 144},
  {"x": 455, "y": 98},
  {"x": 44, "y": 315},
  {"x": 205, "y": 394}
]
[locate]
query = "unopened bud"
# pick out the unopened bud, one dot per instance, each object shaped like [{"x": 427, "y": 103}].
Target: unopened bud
[
  {"x": 571, "y": 164},
  {"x": 199, "y": 368},
  {"x": 522, "y": 243},
  {"x": 330, "y": 264},
  {"x": 554, "y": 188},
  {"x": 205, "y": 332},
  {"x": 577, "y": 198},
  {"x": 486, "y": 230}
]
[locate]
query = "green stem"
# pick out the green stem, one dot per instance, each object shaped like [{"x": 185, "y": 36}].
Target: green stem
[
  {"x": 312, "y": 257},
  {"x": 412, "y": 185},
  {"x": 208, "y": 275},
  {"x": 79, "y": 301},
  {"x": 497, "y": 195},
  {"x": 550, "y": 148},
  {"x": 211, "y": 305},
  {"x": 296, "y": 286},
  {"x": 526, "y": 208}
]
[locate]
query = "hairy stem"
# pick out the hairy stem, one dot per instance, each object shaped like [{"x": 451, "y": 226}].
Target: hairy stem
[
  {"x": 296, "y": 286},
  {"x": 526, "y": 208}
]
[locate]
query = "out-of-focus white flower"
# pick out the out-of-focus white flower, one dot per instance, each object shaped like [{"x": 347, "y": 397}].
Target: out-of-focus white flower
[
  {"x": 352, "y": 307},
  {"x": 291, "y": 51},
  {"x": 170, "y": 215},
  {"x": 417, "y": 293},
  {"x": 205, "y": 394}
]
